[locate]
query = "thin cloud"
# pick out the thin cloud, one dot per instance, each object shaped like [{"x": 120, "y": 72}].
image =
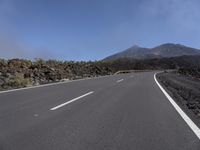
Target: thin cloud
[
  {"x": 10, "y": 46},
  {"x": 181, "y": 14}
]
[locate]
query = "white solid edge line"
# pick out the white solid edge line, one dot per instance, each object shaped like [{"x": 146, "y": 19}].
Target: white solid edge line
[
  {"x": 50, "y": 84},
  {"x": 190, "y": 123},
  {"x": 120, "y": 80},
  {"x": 68, "y": 102}
]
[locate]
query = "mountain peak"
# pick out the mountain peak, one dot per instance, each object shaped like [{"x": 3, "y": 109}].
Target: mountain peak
[
  {"x": 135, "y": 46},
  {"x": 173, "y": 45},
  {"x": 164, "y": 50}
]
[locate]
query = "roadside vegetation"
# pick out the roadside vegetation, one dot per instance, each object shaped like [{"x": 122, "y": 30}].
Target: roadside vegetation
[{"x": 16, "y": 73}]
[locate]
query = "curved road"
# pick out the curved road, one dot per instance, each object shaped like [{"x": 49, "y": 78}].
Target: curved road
[{"x": 120, "y": 112}]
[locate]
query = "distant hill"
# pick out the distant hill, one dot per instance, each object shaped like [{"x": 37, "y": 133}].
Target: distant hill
[{"x": 162, "y": 51}]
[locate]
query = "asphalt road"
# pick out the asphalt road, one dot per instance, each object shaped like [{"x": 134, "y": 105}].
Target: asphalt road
[{"x": 121, "y": 112}]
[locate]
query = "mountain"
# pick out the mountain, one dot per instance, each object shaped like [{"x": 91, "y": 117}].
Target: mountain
[
  {"x": 174, "y": 50},
  {"x": 162, "y": 51},
  {"x": 132, "y": 52}
]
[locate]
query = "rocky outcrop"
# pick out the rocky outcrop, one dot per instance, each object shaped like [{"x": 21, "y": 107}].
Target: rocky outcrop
[{"x": 17, "y": 73}]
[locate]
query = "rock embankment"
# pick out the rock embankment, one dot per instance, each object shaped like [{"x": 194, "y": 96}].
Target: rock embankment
[{"x": 18, "y": 73}]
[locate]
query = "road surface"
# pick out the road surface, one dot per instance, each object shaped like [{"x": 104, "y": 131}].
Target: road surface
[{"x": 120, "y": 112}]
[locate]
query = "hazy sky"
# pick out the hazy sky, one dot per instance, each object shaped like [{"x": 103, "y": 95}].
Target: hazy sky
[{"x": 94, "y": 29}]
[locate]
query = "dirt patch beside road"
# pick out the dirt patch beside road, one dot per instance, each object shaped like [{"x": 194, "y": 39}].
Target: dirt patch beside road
[{"x": 185, "y": 90}]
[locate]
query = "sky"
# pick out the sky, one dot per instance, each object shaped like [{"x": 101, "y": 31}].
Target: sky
[{"x": 93, "y": 29}]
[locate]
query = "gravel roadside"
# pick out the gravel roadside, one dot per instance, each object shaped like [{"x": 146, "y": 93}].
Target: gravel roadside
[{"x": 185, "y": 90}]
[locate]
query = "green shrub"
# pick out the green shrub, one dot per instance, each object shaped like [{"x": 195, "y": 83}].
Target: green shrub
[
  {"x": 39, "y": 62},
  {"x": 18, "y": 81}
]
